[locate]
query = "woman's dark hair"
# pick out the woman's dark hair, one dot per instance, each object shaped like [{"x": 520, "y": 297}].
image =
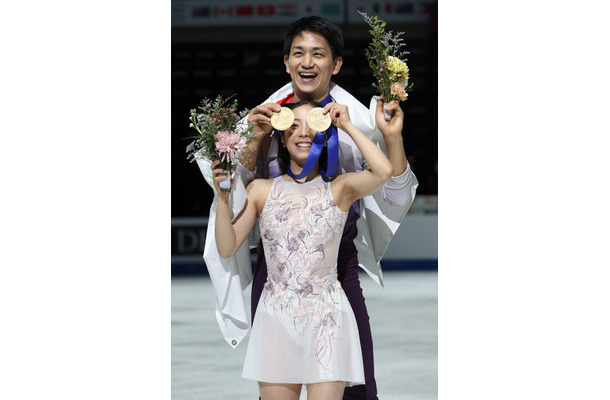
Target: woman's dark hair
[
  {"x": 322, "y": 26},
  {"x": 283, "y": 157}
]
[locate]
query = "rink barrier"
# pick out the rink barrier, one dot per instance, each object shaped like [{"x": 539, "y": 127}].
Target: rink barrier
[{"x": 413, "y": 248}]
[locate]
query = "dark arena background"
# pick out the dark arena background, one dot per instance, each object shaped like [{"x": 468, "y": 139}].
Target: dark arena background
[{"x": 233, "y": 47}]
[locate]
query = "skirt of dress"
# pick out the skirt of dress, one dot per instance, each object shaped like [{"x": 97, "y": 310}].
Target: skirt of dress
[{"x": 305, "y": 342}]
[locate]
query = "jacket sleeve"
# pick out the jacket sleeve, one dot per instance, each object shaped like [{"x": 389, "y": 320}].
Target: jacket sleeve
[
  {"x": 229, "y": 276},
  {"x": 397, "y": 191}
]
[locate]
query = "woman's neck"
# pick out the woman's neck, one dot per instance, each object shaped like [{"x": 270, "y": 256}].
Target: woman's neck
[{"x": 297, "y": 169}]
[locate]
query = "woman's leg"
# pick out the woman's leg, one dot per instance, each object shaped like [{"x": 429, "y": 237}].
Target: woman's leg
[
  {"x": 325, "y": 390},
  {"x": 279, "y": 391}
]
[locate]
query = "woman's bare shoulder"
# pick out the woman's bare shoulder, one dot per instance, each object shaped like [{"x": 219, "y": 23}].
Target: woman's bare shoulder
[
  {"x": 259, "y": 188},
  {"x": 261, "y": 183}
]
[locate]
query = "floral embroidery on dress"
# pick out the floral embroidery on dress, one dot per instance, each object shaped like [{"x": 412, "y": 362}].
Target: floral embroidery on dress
[{"x": 298, "y": 224}]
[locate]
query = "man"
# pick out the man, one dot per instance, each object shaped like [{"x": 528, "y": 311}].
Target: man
[{"x": 312, "y": 55}]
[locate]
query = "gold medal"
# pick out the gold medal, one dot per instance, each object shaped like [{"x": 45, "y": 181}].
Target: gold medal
[
  {"x": 283, "y": 119},
  {"x": 318, "y": 121}
]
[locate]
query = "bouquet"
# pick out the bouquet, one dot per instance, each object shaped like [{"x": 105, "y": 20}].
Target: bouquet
[
  {"x": 221, "y": 134},
  {"x": 386, "y": 60}
]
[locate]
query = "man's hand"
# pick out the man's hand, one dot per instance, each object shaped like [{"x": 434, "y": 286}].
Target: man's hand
[
  {"x": 391, "y": 129},
  {"x": 392, "y": 135},
  {"x": 261, "y": 115}
]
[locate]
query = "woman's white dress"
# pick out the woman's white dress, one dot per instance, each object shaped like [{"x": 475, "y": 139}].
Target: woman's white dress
[{"x": 304, "y": 330}]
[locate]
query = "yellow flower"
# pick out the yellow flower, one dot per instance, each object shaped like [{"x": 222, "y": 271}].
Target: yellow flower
[{"x": 397, "y": 66}]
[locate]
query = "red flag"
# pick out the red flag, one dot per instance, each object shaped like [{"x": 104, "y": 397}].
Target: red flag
[
  {"x": 266, "y": 11},
  {"x": 244, "y": 11}
]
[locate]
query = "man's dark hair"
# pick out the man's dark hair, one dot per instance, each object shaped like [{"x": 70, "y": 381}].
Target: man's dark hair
[
  {"x": 319, "y": 25},
  {"x": 283, "y": 157}
]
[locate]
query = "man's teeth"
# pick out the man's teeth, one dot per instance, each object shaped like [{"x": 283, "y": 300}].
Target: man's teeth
[{"x": 308, "y": 75}]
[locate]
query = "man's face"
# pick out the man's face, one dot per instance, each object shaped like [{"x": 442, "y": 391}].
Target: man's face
[{"x": 311, "y": 65}]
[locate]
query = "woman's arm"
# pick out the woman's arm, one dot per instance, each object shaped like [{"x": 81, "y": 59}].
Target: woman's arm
[
  {"x": 231, "y": 234},
  {"x": 364, "y": 183}
]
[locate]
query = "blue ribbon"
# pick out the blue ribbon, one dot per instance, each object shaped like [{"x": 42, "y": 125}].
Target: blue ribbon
[{"x": 317, "y": 146}]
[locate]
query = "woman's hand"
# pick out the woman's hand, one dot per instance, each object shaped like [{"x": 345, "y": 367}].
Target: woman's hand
[
  {"x": 218, "y": 175},
  {"x": 339, "y": 115}
]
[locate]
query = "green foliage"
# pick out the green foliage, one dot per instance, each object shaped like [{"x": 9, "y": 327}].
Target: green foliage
[
  {"x": 384, "y": 45},
  {"x": 215, "y": 116}
]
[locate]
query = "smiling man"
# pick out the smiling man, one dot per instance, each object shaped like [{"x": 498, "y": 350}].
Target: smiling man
[
  {"x": 313, "y": 48},
  {"x": 311, "y": 61}
]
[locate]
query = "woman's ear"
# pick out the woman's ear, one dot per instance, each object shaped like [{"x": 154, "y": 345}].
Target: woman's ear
[{"x": 282, "y": 139}]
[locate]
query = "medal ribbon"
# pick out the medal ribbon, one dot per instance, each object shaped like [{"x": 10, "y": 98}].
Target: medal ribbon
[{"x": 317, "y": 146}]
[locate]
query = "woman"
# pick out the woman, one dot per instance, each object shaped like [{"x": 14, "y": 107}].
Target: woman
[{"x": 304, "y": 331}]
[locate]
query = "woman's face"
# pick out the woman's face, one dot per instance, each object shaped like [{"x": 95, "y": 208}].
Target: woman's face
[{"x": 298, "y": 138}]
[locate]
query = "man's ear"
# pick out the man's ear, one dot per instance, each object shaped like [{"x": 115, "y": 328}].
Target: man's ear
[
  {"x": 286, "y": 64},
  {"x": 338, "y": 63}
]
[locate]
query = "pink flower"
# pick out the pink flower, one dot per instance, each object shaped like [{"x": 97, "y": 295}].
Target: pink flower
[
  {"x": 228, "y": 143},
  {"x": 399, "y": 91}
]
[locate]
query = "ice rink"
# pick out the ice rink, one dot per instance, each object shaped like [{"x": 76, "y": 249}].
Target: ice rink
[{"x": 403, "y": 321}]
